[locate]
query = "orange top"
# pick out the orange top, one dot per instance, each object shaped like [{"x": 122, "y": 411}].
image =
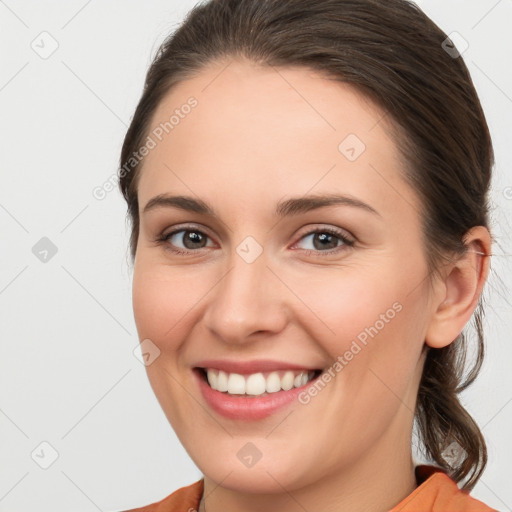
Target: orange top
[{"x": 436, "y": 492}]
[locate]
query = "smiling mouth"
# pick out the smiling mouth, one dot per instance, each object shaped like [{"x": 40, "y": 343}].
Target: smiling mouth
[{"x": 257, "y": 384}]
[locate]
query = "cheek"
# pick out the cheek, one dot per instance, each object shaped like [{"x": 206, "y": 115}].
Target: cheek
[
  {"x": 372, "y": 319},
  {"x": 378, "y": 335},
  {"x": 349, "y": 305},
  {"x": 161, "y": 300}
]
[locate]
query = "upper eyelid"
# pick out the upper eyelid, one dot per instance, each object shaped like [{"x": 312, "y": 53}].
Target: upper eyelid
[
  {"x": 189, "y": 227},
  {"x": 335, "y": 229}
]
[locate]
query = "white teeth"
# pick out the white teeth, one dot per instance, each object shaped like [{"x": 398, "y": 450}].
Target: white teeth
[
  {"x": 256, "y": 384},
  {"x": 287, "y": 381},
  {"x": 222, "y": 382},
  {"x": 212, "y": 378},
  {"x": 273, "y": 383},
  {"x": 236, "y": 384}
]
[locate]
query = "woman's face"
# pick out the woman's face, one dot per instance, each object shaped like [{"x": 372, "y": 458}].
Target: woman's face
[{"x": 273, "y": 279}]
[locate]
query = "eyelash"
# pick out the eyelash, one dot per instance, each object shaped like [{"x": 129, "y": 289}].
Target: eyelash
[{"x": 346, "y": 242}]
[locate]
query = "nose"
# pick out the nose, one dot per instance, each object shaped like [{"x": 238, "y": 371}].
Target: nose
[{"x": 248, "y": 301}]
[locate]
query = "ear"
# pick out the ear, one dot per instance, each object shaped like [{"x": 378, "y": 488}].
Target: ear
[{"x": 463, "y": 282}]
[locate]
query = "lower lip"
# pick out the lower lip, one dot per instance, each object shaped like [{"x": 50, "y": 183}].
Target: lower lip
[{"x": 247, "y": 408}]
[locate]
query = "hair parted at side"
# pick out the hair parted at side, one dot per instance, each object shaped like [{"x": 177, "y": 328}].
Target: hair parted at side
[{"x": 392, "y": 52}]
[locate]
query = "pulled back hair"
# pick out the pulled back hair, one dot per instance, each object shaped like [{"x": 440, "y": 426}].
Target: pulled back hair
[{"x": 395, "y": 55}]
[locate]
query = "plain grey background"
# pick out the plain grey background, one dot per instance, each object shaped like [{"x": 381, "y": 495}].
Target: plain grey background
[{"x": 74, "y": 397}]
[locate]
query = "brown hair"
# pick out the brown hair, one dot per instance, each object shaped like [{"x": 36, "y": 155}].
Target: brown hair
[{"x": 395, "y": 55}]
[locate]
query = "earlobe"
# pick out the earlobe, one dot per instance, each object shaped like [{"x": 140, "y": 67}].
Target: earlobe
[{"x": 463, "y": 285}]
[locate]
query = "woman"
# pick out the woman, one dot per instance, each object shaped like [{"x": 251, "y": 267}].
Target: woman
[{"x": 307, "y": 187}]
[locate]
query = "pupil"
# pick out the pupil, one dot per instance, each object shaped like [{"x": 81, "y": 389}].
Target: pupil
[
  {"x": 193, "y": 237},
  {"x": 323, "y": 237}
]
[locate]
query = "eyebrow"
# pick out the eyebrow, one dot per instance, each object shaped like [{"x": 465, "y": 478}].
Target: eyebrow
[{"x": 288, "y": 207}]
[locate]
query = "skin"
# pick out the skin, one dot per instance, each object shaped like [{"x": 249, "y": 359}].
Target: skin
[{"x": 260, "y": 135}]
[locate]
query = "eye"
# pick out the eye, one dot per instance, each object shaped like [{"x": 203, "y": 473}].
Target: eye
[
  {"x": 326, "y": 240},
  {"x": 190, "y": 239}
]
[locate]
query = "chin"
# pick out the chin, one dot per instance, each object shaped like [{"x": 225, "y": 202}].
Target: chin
[
  {"x": 253, "y": 480},
  {"x": 231, "y": 464}
]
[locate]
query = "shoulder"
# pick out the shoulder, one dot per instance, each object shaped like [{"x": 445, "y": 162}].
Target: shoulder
[
  {"x": 185, "y": 499},
  {"x": 437, "y": 492}
]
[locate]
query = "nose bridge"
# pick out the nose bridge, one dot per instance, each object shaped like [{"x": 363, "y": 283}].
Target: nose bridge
[{"x": 246, "y": 300}]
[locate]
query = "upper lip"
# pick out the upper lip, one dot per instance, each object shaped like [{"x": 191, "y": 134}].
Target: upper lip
[{"x": 248, "y": 367}]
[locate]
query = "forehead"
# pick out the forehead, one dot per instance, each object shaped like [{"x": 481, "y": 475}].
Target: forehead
[{"x": 261, "y": 128}]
